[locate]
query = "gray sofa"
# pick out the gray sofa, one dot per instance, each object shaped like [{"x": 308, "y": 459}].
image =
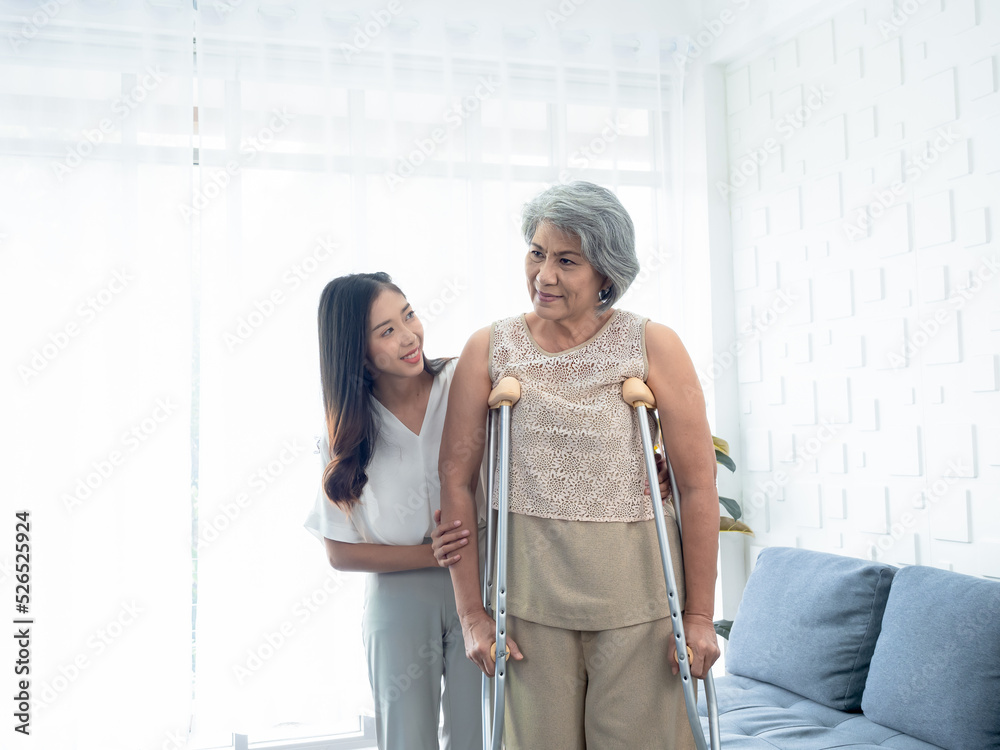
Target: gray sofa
[{"x": 834, "y": 652}]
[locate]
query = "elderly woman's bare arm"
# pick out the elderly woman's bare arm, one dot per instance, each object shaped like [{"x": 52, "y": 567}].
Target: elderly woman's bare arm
[
  {"x": 687, "y": 439},
  {"x": 462, "y": 445}
]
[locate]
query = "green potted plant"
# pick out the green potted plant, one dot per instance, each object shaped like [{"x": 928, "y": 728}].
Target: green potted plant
[{"x": 730, "y": 522}]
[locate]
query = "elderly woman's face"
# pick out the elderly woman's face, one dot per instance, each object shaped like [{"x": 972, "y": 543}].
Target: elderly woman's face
[{"x": 561, "y": 282}]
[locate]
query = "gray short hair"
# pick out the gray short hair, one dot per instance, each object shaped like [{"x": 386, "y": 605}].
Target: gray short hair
[{"x": 597, "y": 217}]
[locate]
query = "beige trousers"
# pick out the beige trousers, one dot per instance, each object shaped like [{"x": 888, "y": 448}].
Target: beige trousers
[{"x": 602, "y": 690}]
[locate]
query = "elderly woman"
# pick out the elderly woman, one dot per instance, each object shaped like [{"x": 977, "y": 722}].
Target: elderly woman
[{"x": 588, "y": 620}]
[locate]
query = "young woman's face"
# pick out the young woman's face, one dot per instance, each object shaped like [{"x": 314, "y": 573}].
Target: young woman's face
[
  {"x": 395, "y": 336},
  {"x": 561, "y": 282}
]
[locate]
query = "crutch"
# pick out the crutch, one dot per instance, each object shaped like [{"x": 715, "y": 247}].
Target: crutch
[
  {"x": 502, "y": 399},
  {"x": 637, "y": 394}
]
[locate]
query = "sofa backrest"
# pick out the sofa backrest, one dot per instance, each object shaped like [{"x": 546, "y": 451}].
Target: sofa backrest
[
  {"x": 935, "y": 673},
  {"x": 808, "y": 622}
]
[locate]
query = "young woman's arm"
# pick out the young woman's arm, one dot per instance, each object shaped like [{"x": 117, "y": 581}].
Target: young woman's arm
[{"x": 379, "y": 558}]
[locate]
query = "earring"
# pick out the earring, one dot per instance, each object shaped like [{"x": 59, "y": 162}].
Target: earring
[{"x": 603, "y": 294}]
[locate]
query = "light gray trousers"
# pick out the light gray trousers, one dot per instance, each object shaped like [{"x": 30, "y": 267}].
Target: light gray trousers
[{"x": 413, "y": 638}]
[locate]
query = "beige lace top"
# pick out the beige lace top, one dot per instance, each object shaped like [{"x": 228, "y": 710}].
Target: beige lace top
[{"x": 576, "y": 453}]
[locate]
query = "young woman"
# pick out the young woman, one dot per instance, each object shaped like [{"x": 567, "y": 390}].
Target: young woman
[{"x": 375, "y": 511}]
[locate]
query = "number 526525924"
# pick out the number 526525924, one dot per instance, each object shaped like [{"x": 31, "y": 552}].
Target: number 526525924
[{"x": 22, "y": 560}]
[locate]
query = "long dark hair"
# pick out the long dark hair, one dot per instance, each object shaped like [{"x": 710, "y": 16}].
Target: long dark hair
[{"x": 351, "y": 421}]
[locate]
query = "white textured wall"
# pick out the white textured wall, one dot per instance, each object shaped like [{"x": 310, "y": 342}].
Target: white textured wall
[{"x": 868, "y": 362}]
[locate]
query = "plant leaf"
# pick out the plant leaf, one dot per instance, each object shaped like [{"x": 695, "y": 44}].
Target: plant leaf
[
  {"x": 728, "y": 524},
  {"x": 725, "y": 460},
  {"x": 732, "y": 507},
  {"x": 720, "y": 444},
  {"x": 723, "y": 628}
]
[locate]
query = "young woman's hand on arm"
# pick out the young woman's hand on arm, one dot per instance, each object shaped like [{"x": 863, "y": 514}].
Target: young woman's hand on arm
[
  {"x": 688, "y": 442},
  {"x": 461, "y": 455},
  {"x": 447, "y": 538}
]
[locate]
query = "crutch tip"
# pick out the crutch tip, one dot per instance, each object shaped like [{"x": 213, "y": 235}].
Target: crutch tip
[{"x": 635, "y": 392}]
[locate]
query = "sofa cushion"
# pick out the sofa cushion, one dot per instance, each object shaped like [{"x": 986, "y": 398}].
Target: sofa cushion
[
  {"x": 808, "y": 623},
  {"x": 935, "y": 673},
  {"x": 756, "y": 716}
]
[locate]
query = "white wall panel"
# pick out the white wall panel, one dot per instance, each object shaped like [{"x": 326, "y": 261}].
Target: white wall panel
[
  {"x": 934, "y": 224},
  {"x": 878, "y": 392}
]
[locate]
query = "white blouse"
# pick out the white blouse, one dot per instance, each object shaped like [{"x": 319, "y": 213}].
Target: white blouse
[{"x": 403, "y": 490}]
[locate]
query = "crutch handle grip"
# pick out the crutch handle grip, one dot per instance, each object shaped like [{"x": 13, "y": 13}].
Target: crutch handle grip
[
  {"x": 690, "y": 656},
  {"x": 635, "y": 392},
  {"x": 493, "y": 652},
  {"x": 507, "y": 392}
]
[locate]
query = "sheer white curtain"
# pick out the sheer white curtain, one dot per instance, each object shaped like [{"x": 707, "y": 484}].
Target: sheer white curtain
[
  {"x": 95, "y": 288},
  {"x": 323, "y": 142},
  {"x": 403, "y": 158}
]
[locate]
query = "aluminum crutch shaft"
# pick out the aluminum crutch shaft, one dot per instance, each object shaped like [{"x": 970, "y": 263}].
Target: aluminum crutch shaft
[
  {"x": 637, "y": 395},
  {"x": 502, "y": 398},
  {"x": 490, "y": 552},
  {"x": 711, "y": 701}
]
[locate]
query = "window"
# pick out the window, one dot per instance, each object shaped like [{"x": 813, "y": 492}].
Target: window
[{"x": 164, "y": 271}]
